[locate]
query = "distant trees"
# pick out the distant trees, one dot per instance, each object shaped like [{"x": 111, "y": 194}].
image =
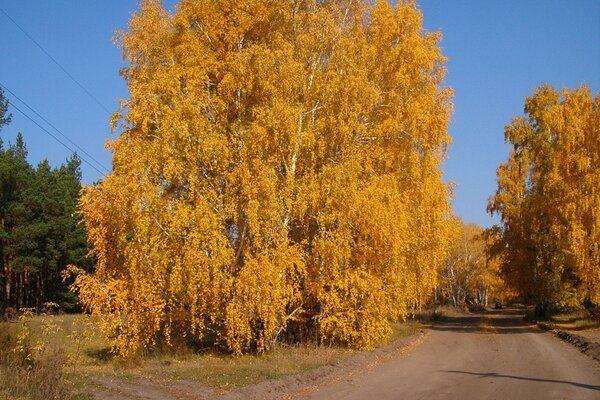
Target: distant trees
[
  {"x": 548, "y": 199},
  {"x": 468, "y": 276},
  {"x": 40, "y": 232},
  {"x": 278, "y": 175}
]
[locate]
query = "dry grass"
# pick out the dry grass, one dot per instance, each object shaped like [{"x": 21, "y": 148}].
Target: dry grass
[
  {"x": 75, "y": 334},
  {"x": 574, "y": 320},
  {"x": 84, "y": 353},
  {"x": 31, "y": 369},
  {"x": 401, "y": 330},
  {"x": 225, "y": 371}
]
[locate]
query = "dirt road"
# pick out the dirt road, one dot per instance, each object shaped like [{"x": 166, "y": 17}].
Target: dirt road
[{"x": 478, "y": 356}]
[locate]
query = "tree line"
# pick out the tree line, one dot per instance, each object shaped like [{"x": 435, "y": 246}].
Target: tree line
[{"x": 40, "y": 230}]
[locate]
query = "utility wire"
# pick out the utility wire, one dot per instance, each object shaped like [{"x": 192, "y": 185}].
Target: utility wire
[
  {"x": 57, "y": 139},
  {"x": 56, "y": 62},
  {"x": 56, "y": 129}
]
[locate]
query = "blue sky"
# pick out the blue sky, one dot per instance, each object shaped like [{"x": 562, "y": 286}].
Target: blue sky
[{"x": 498, "y": 51}]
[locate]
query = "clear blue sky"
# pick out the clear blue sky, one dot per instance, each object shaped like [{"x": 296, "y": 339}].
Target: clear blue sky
[{"x": 498, "y": 51}]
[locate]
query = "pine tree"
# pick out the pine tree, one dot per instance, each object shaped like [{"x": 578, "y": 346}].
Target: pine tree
[
  {"x": 40, "y": 232},
  {"x": 5, "y": 116}
]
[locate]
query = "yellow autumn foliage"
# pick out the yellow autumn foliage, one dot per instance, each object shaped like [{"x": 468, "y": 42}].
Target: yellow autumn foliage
[
  {"x": 277, "y": 176},
  {"x": 548, "y": 199},
  {"x": 469, "y": 276}
]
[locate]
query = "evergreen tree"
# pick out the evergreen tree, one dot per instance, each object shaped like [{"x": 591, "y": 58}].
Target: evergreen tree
[
  {"x": 40, "y": 233},
  {"x": 5, "y": 117},
  {"x": 15, "y": 173}
]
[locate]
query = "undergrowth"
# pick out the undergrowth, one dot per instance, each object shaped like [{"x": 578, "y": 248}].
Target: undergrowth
[{"x": 31, "y": 369}]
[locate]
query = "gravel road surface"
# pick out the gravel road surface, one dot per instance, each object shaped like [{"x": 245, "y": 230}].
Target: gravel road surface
[{"x": 492, "y": 355}]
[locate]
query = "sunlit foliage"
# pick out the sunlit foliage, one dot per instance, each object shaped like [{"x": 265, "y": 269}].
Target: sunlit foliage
[
  {"x": 548, "y": 199},
  {"x": 469, "y": 276},
  {"x": 277, "y": 175}
]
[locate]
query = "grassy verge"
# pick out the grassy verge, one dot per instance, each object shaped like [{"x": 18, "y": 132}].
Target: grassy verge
[
  {"x": 401, "y": 330},
  {"x": 71, "y": 348},
  {"x": 225, "y": 371},
  {"x": 573, "y": 320}
]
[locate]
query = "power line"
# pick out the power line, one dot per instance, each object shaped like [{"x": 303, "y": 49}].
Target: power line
[
  {"x": 57, "y": 63},
  {"x": 55, "y": 128},
  {"x": 57, "y": 139}
]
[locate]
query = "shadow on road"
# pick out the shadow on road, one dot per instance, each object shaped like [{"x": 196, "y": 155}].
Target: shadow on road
[
  {"x": 523, "y": 378},
  {"x": 503, "y": 322}
]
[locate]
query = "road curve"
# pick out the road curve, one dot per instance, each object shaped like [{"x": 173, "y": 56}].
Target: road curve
[{"x": 492, "y": 355}]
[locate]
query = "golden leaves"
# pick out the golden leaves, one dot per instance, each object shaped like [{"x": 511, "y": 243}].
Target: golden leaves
[
  {"x": 547, "y": 197},
  {"x": 278, "y": 174}
]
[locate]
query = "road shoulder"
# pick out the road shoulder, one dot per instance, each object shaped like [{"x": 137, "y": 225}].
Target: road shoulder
[{"x": 582, "y": 343}]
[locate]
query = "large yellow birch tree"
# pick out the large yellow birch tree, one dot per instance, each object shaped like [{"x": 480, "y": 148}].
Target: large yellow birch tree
[{"x": 277, "y": 175}]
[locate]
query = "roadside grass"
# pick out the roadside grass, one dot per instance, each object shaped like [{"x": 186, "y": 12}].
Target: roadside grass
[
  {"x": 401, "y": 330},
  {"x": 74, "y": 350},
  {"x": 226, "y": 371},
  {"x": 573, "y": 320}
]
